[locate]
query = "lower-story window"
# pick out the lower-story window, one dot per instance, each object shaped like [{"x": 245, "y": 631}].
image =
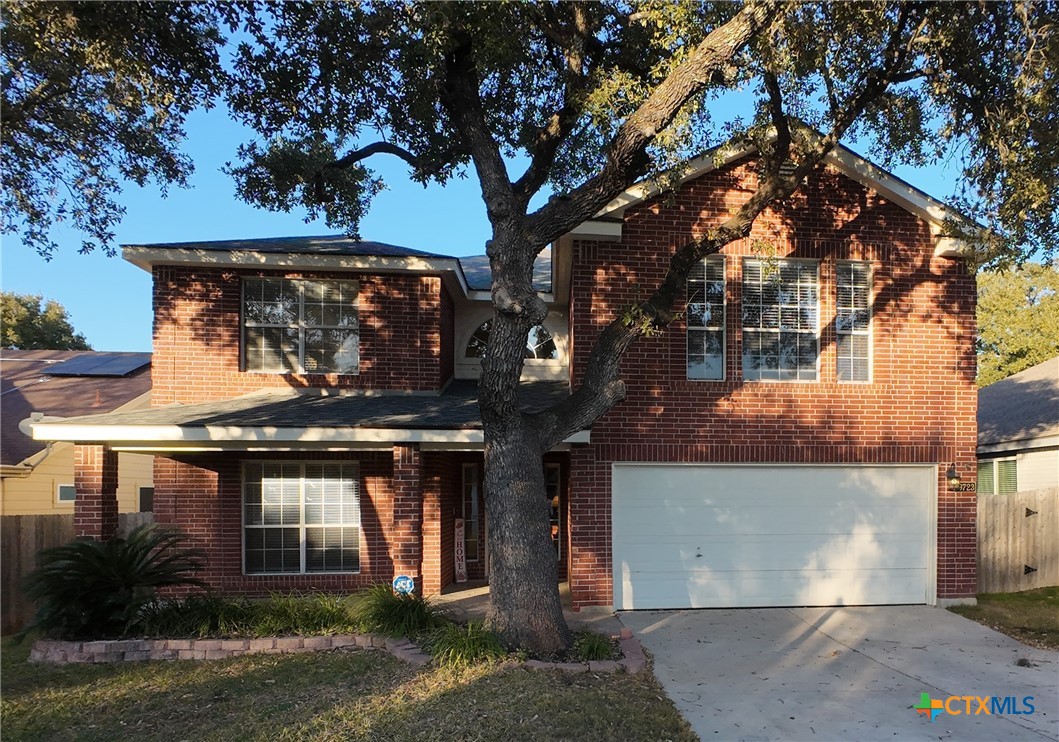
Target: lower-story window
[{"x": 300, "y": 517}]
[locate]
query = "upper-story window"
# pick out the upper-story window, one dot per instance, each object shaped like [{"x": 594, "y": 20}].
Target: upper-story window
[
  {"x": 780, "y": 320},
  {"x": 705, "y": 313},
  {"x": 540, "y": 344},
  {"x": 300, "y": 326},
  {"x": 853, "y": 321}
]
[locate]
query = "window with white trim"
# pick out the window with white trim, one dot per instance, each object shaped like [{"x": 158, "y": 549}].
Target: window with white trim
[
  {"x": 470, "y": 512},
  {"x": 780, "y": 311},
  {"x": 853, "y": 321},
  {"x": 705, "y": 319},
  {"x": 65, "y": 493},
  {"x": 300, "y": 326},
  {"x": 300, "y": 518},
  {"x": 552, "y": 491},
  {"x": 540, "y": 345},
  {"x": 998, "y": 477},
  {"x": 146, "y": 498}
]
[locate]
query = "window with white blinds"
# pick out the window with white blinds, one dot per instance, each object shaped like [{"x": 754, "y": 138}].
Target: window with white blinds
[
  {"x": 300, "y": 518},
  {"x": 853, "y": 321}
]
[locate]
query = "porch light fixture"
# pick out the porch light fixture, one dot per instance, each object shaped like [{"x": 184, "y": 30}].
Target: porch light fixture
[{"x": 953, "y": 477}]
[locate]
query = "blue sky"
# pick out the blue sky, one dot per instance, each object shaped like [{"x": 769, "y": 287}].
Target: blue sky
[{"x": 109, "y": 300}]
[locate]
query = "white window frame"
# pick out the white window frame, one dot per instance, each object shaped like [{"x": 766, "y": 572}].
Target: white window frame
[
  {"x": 139, "y": 498},
  {"x": 744, "y": 330},
  {"x": 994, "y": 472},
  {"x": 470, "y": 477},
  {"x": 58, "y": 494},
  {"x": 868, "y": 333},
  {"x": 468, "y": 357},
  {"x": 301, "y": 518},
  {"x": 300, "y": 326},
  {"x": 722, "y": 328},
  {"x": 548, "y": 469}
]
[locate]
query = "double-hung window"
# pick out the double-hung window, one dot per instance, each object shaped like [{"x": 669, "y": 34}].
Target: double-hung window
[
  {"x": 997, "y": 477},
  {"x": 705, "y": 319},
  {"x": 300, "y": 326},
  {"x": 780, "y": 320},
  {"x": 300, "y": 518},
  {"x": 853, "y": 321}
]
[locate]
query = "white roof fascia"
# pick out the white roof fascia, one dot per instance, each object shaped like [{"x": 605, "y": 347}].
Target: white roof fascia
[
  {"x": 156, "y": 434},
  {"x": 144, "y": 256},
  {"x": 597, "y": 230},
  {"x": 1026, "y": 444}
]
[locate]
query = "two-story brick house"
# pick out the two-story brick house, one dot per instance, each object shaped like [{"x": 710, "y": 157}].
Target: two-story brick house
[{"x": 786, "y": 442}]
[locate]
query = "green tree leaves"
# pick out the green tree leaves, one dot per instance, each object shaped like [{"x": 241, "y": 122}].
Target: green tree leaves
[
  {"x": 1018, "y": 320},
  {"x": 94, "y": 96},
  {"x": 27, "y": 325}
]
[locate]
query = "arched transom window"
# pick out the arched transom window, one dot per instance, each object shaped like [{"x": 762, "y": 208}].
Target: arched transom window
[{"x": 539, "y": 345}]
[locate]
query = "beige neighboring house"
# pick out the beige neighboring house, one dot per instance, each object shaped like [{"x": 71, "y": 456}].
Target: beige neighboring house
[
  {"x": 38, "y": 477},
  {"x": 1018, "y": 431}
]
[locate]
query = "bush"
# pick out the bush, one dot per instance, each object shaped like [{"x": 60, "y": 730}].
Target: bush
[
  {"x": 453, "y": 645},
  {"x": 92, "y": 589},
  {"x": 197, "y": 616},
  {"x": 383, "y": 611},
  {"x": 591, "y": 647},
  {"x": 201, "y": 616}
]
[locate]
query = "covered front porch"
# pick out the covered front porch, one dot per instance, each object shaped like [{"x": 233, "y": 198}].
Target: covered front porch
[{"x": 279, "y": 503}]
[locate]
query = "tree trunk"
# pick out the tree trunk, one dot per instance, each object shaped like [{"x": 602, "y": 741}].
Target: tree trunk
[{"x": 524, "y": 590}]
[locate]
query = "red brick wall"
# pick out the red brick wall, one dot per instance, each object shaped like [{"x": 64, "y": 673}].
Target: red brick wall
[
  {"x": 197, "y": 335},
  {"x": 919, "y": 406},
  {"x": 96, "y": 484},
  {"x": 447, "y": 337}
]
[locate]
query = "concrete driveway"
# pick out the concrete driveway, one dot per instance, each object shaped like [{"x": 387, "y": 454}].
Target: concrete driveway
[{"x": 845, "y": 673}]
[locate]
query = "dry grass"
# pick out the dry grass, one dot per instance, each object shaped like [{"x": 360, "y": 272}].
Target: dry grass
[
  {"x": 1031, "y": 617},
  {"x": 336, "y": 695}
]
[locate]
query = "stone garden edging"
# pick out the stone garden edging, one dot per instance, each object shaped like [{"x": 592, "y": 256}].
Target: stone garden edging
[{"x": 142, "y": 650}]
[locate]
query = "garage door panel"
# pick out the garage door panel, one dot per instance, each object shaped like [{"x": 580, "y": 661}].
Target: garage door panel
[
  {"x": 708, "y": 589},
  {"x": 733, "y": 552},
  {"x": 662, "y": 518},
  {"x": 720, "y": 536}
]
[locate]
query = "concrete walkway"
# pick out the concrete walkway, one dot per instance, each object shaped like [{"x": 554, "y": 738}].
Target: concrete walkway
[
  {"x": 472, "y": 602},
  {"x": 845, "y": 673}
]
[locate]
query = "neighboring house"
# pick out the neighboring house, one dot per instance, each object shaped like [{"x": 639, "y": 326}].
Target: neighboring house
[
  {"x": 1018, "y": 431},
  {"x": 785, "y": 442},
  {"x": 38, "y": 477}
]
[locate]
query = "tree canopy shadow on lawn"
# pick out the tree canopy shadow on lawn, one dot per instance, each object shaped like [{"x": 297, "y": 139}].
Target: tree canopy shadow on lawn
[{"x": 330, "y": 695}]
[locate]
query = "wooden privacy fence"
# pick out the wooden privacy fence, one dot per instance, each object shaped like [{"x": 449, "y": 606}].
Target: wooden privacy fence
[
  {"x": 21, "y": 537},
  {"x": 1018, "y": 541}
]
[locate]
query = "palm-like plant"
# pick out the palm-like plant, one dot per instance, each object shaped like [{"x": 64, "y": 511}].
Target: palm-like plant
[{"x": 92, "y": 589}]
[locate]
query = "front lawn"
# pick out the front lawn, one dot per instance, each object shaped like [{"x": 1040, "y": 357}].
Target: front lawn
[
  {"x": 330, "y": 695},
  {"x": 1031, "y": 617}
]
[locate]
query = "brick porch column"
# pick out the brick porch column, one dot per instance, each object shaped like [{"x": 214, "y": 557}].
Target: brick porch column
[
  {"x": 96, "y": 482},
  {"x": 406, "y": 539}
]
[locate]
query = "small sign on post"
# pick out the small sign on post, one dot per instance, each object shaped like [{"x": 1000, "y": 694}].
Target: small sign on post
[
  {"x": 404, "y": 585},
  {"x": 461, "y": 552}
]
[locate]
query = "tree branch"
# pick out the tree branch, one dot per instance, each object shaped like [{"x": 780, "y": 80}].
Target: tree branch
[
  {"x": 573, "y": 39},
  {"x": 601, "y": 387},
  {"x": 356, "y": 156},
  {"x": 626, "y": 157}
]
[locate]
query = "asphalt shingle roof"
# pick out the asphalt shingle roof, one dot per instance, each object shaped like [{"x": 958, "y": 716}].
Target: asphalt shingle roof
[
  {"x": 333, "y": 244},
  {"x": 27, "y": 387},
  {"x": 455, "y": 408},
  {"x": 1020, "y": 407}
]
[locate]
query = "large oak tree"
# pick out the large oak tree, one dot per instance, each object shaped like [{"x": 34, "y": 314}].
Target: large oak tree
[{"x": 579, "y": 101}]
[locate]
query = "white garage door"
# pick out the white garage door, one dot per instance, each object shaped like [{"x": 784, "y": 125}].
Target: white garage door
[{"x": 740, "y": 536}]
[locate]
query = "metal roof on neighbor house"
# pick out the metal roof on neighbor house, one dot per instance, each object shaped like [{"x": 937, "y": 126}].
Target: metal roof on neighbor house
[
  {"x": 27, "y": 386},
  {"x": 1021, "y": 407}
]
